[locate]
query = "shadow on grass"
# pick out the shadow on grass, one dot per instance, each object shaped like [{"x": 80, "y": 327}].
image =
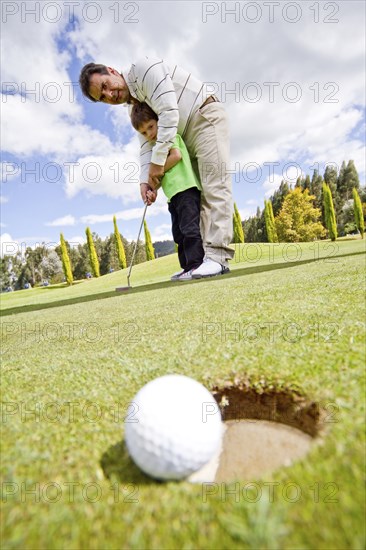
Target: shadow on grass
[
  {"x": 168, "y": 285},
  {"x": 61, "y": 285},
  {"x": 118, "y": 466}
]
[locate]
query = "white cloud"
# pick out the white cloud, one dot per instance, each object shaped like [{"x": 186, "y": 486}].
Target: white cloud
[
  {"x": 75, "y": 240},
  {"x": 162, "y": 232},
  {"x": 9, "y": 170},
  {"x": 32, "y": 127},
  {"x": 325, "y": 61},
  {"x": 125, "y": 215},
  {"x": 271, "y": 184},
  {"x": 3, "y": 199},
  {"x": 7, "y": 245},
  {"x": 65, "y": 220},
  {"x": 246, "y": 213}
]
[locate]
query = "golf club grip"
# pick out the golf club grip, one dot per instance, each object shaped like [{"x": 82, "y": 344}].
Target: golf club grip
[{"x": 138, "y": 236}]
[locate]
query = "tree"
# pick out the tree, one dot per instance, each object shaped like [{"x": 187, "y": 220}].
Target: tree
[
  {"x": 163, "y": 248},
  {"x": 307, "y": 182},
  {"x": 51, "y": 267},
  {"x": 316, "y": 188},
  {"x": 79, "y": 258},
  {"x": 330, "y": 220},
  {"x": 119, "y": 244},
  {"x": 351, "y": 179},
  {"x": 150, "y": 255},
  {"x": 358, "y": 212},
  {"x": 298, "y": 219},
  {"x": 347, "y": 180},
  {"x": 238, "y": 233},
  {"x": 279, "y": 196},
  {"x": 254, "y": 228},
  {"x": 270, "y": 222},
  {"x": 66, "y": 265},
  {"x": 5, "y": 279},
  {"x": 34, "y": 258},
  {"x": 94, "y": 262},
  {"x": 330, "y": 178}
]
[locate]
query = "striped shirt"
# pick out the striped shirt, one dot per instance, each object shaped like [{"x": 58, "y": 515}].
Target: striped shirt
[{"x": 174, "y": 95}]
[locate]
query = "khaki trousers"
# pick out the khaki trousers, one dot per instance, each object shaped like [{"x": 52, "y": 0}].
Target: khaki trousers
[{"x": 207, "y": 141}]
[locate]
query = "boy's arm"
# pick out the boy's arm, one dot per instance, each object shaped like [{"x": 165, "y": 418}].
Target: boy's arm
[{"x": 174, "y": 156}]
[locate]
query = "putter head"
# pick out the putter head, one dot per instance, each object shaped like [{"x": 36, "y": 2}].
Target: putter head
[{"x": 122, "y": 288}]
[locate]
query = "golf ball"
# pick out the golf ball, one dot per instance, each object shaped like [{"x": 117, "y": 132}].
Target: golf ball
[{"x": 173, "y": 427}]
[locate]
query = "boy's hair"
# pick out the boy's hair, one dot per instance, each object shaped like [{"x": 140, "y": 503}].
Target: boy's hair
[
  {"x": 86, "y": 72},
  {"x": 141, "y": 112}
]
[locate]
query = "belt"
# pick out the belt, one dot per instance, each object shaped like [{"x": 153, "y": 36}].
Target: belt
[{"x": 210, "y": 99}]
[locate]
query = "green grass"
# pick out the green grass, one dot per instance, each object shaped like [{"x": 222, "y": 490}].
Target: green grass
[{"x": 291, "y": 319}]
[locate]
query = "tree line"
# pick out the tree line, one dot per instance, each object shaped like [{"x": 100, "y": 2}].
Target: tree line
[
  {"x": 328, "y": 206},
  {"x": 66, "y": 263},
  {"x": 331, "y": 205}
]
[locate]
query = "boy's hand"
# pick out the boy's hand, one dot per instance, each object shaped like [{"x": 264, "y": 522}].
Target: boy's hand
[
  {"x": 144, "y": 188},
  {"x": 156, "y": 172},
  {"x": 148, "y": 195},
  {"x": 151, "y": 196}
]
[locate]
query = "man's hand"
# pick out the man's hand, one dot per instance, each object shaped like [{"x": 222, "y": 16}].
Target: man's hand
[
  {"x": 148, "y": 195},
  {"x": 156, "y": 173}
]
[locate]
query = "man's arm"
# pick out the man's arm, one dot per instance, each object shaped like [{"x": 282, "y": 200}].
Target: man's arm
[{"x": 154, "y": 81}]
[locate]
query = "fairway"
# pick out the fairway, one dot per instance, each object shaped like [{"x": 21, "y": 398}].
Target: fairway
[{"x": 288, "y": 318}]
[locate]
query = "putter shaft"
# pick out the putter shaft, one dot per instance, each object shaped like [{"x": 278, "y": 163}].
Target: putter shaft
[{"x": 134, "y": 251}]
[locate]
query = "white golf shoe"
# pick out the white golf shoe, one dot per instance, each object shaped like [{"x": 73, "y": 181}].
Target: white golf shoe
[
  {"x": 176, "y": 275},
  {"x": 209, "y": 268},
  {"x": 185, "y": 276}
]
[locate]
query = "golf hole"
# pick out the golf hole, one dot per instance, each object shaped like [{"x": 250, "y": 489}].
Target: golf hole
[{"x": 262, "y": 432}]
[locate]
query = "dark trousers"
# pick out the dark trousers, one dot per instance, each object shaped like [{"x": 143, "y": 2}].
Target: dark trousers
[{"x": 184, "y": 209}]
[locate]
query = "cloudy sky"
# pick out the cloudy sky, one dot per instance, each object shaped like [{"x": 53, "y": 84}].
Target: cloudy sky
[{"x": 291, "y": 75}]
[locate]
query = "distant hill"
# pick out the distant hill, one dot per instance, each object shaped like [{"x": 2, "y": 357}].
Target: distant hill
[{"x": 163, "y": 248}]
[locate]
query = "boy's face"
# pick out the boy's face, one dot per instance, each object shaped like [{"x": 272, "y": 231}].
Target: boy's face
[{"x": 149, "y": 129}]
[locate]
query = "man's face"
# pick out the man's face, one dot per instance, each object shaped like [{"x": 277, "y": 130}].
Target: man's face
[
  {"x": 109, "y": 88},
  {"x": 149, "y": 129}
]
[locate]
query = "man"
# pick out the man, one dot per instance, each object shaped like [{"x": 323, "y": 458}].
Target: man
[{"x": 180, "y": 102}]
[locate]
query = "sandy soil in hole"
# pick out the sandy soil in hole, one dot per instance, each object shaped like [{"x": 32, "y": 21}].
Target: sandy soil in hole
[{"x": 253, "y": 448}]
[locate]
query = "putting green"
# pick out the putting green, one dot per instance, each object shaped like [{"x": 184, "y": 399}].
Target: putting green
[{"x": 289, "y": 320}]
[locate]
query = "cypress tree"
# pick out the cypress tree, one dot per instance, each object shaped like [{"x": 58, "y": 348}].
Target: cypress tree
[
  {"x": 307, "y": 182},
  {"x": 66, "y": 264},
  {"x": 150, "y": 254},
  {"x": 279, "y": 196},
  {"x": 119, "y": 244},
  {"x": 358, "y": 212},
  {"x": 238, "y": 233},
  {"x": 270, "y": 222},
  {"x": 330, "y": 220},
  {"x": 316, "y": 188},
  {"x": 351, "y": 179},
  {"x": 341, "y": 184},
  {"x": 330, "y": 178},
  {"x": 94, "y": 262}
]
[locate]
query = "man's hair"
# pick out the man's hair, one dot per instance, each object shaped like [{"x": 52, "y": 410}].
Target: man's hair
[
  {"x": 141, "y": 112},
  {"x": 86, "y": 72}
]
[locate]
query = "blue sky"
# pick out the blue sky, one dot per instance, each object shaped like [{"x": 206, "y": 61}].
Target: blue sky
[{"x": 291, "y": 75}]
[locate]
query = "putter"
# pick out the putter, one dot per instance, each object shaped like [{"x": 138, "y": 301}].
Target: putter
[{"x": 124, "y": 288}]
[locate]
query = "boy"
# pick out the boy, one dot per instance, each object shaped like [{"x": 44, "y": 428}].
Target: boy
[{"x": 182, "y": 190}]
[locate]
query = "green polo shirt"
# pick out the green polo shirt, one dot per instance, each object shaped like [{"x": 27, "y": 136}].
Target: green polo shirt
[{"x": 181, "y": 176}]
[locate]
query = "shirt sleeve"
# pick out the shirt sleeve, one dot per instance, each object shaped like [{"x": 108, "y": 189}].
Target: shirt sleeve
[
  {"x": 145, "y": 158},
  {"x": 158, "y": 89}
]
